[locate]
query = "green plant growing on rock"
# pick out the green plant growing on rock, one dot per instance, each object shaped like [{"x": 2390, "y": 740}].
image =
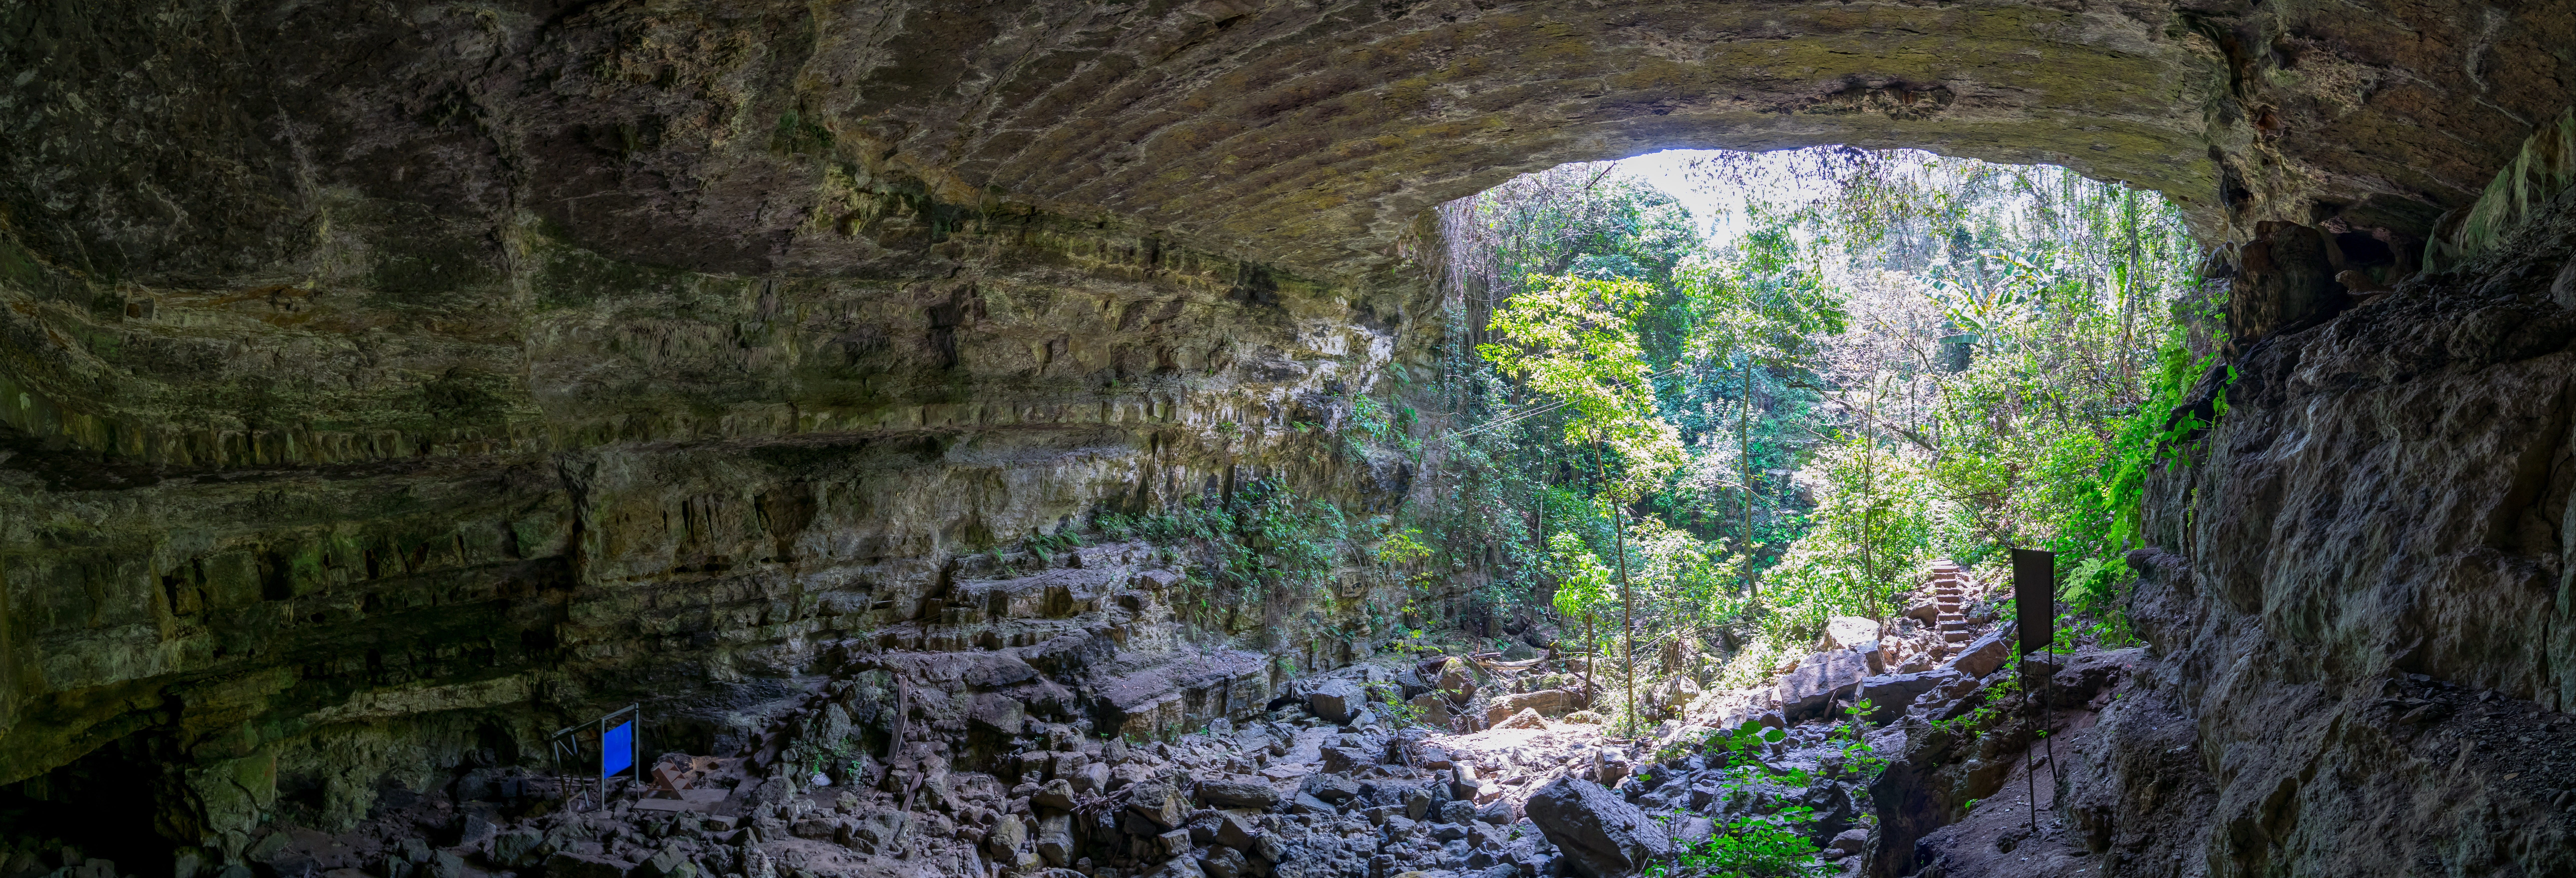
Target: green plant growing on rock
[
  {"x": 1752, "y": 846},
  {"x": 1265, "y": 537},
  {"x": 1404, "y": 714},
  {"x": 1983, "y": 717},
  {"x": 1852, "y": 748},
  {"x": 1582, "y": 592},
  {"x": 1765, "y": 845}
]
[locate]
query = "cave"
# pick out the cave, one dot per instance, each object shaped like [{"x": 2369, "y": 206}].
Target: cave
[{"x": 387, "y": 387}]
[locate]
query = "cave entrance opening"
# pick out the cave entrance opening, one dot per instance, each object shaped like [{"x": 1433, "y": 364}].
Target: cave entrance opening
[{"x": 1733, "y": 405}]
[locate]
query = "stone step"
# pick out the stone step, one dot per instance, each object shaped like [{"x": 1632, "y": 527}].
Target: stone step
[
  {"x": 1957, "y": 636},
  {"x": 1950, "y": 617}
]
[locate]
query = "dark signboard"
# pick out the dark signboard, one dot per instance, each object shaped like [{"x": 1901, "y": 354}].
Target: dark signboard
[{"x": 2035, "y": 598}]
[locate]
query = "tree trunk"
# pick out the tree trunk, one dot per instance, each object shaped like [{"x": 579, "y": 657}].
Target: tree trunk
[
  {"x": 1869, "y": 502},
  {"x": 1627, "y": 613},
  {"x": 1627, "y": 600},
  {"x": 1591, "y": 654},
  {"x": 1744, "y": 446}
]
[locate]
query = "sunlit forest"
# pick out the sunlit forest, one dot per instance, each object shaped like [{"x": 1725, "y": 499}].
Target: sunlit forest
[
  {"x": 1708, "y": 430},
  {"x": 1724, "y": 438}
]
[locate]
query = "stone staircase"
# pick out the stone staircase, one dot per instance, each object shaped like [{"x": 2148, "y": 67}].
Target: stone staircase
[{"x": 1949, "y": 597}]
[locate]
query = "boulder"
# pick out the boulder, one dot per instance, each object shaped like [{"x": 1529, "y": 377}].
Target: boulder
[
  {"x": 441, "y": 864},
  {"x": 1056, "y": 794},
  {"x": 1004, "y": 839},
  {"x": 1233, "y": 831},
  {"x": 1156, "y": 801},
  {"x": 1001, "y": 713},
  {"x": 1610, "y": 766},
  {"x": 1431, "y": 709},
  {"x": 1339, "y": 760},
  {"x": 1983, "y": 655},
  {"x": 1337, "y": 701},
  {"x": 1601, "y": 835},
  {"x": 1230, "y": 793},
  {"x": 518, "y": 849},
  {"x": 1055, "y": 839},
  {"x": 1332, "y": 788},
  {"x": 1454, "y": 679},
  {"x": 1091, "y": 778},
  {"x": 1128, "y": 774},
  {"x": 572, "y": 865},
  {"x": 1526, "y": 719},
  {"x": 1888, "y": 695},
  {"x": 1225, "y": 862},
  {"x": 1180, "y": 867},
  {"x": 1417, "y": 802},
  {"x": 1819, "y": 681},
  {"x": 1695, "y": 831},
  {"x": 1849, "y": 632},
  {"x": 670, "y": 863},
  {"x": 1548, "y": 702}
]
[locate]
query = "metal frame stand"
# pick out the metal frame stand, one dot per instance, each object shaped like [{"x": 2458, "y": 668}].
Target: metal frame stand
[{"x": 568, "y": 744}]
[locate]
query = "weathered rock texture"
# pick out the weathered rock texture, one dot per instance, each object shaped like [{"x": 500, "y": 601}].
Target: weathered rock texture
[
  {"x": 2364, "y": 596},
  {"x": 326, "y": 484},
  {"x": 384, "y": 384}
]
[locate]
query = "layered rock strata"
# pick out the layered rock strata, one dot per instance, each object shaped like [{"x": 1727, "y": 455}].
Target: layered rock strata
[{"x": 673, "y": 489}]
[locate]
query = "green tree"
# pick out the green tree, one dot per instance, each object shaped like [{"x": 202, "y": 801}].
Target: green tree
[{"x": 1575, "y": 339}]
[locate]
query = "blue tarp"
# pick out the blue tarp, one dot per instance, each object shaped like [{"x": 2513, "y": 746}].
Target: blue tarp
[{"x": 617, "y": 750}]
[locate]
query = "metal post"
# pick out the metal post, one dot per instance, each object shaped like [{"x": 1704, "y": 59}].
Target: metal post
[
  {"x": 2029, "y": 772},
  {"x": 2035, "y": 606}
]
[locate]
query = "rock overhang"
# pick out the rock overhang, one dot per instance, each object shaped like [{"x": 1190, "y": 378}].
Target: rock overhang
[{"x": 744, "y": 139}]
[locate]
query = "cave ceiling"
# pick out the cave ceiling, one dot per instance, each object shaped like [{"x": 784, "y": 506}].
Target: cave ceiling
[{"x": 208, "y": 143}]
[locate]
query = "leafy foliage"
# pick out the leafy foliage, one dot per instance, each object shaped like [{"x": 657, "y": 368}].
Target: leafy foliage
[
  {"x": 1752, "y": 844},
  {"x": 1265, "y": 538},
  {"x": 1909, "y": 358},
  {"x": 1575, "y": 340}
]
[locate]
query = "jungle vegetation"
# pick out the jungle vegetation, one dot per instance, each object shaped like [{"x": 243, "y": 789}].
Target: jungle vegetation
[{"x": 1722, "y": 440}]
